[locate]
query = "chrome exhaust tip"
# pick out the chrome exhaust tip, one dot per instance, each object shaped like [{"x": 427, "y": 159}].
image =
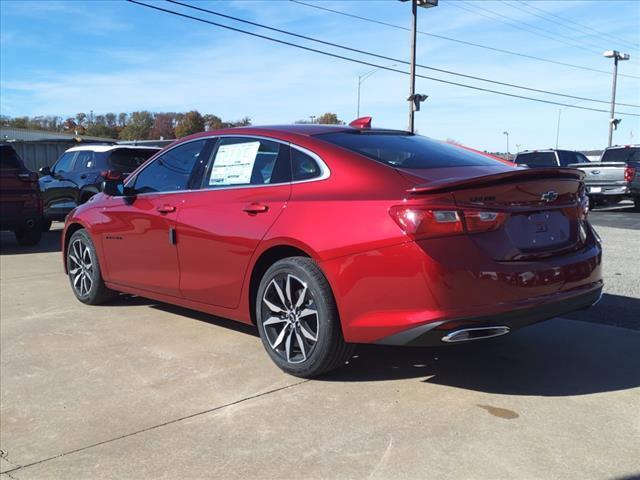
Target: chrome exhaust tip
[{"x": 470, "y": 334}]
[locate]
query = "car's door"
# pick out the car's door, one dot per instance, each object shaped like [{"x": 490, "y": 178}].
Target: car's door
[
  {"x": 245, "y": 187},
  {"x": 58, "y": 188},
  {"x": 138, "y": 234}
]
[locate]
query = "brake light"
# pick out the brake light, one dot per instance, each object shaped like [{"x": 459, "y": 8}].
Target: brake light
[
  {"x": 629, "y": 174},
  {"x": 428, "y": 223}
]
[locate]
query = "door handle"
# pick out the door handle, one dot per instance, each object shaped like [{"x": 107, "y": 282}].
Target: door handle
[
  {"x": 254, "y": 208},
  {"x": 166, "y": 209}
]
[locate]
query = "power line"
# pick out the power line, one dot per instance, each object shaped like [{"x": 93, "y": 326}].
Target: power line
[
  {"x": 517, "y": 24},
  {"x": 370, "y": 64},
  {"x": 562, "y": 24},
  {"x": 391, "y": 59},
  {"x": 584, "y": 28},
  {"x": 463, "y": 42}
]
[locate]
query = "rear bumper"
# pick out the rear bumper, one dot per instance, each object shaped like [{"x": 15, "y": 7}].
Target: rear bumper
[
  {"x": 435, "y": 333},
  {"x": 416, "y": 287},
  {"x": 596, "y": 191}
]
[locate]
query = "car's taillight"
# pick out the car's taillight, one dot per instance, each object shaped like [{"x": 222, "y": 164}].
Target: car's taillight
[
  {"x": 629, "y": 174},
  {"x": 427, "y": 223}
]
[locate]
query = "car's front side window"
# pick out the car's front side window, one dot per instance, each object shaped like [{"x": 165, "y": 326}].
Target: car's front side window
[
  {"x": 64, "y": 163},
  {"x": 172, "y": 171},
  {"x": 244, "y": 161}
]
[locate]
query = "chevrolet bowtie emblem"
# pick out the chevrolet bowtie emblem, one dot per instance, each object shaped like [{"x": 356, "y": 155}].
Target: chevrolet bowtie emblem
[{"x": 549, "y": 196}]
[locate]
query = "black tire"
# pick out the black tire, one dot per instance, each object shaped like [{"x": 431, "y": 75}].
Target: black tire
[
  {"x": 84, "y": 270},
  {"x": 28, "y": 236},
  {"x": 329, "y": 350},
  {"x": 592, "y": 203},
  {"x": 636, "y": 203},
  {"x": 45, "y": 225}
]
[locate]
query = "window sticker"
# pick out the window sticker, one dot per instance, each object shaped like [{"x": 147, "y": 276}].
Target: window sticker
[{"x": 233, "y": 164}]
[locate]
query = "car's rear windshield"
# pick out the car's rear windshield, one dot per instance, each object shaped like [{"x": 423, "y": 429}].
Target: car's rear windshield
[
  {"x": 406, "y": 151},
  {"x": 128, "y": 159},
  {"x": 631, "y": 154},
  {"x": 9, "y": 159},
  {"x": 537, "y": 159}
]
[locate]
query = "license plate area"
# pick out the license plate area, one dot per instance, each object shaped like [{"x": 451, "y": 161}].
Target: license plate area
[
  {"x": 539, "y": 231},
  {"x": 595, "y": 190}
]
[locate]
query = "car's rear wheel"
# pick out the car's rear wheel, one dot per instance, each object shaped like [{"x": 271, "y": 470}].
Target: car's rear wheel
[
  {"x": 84, "y": 270},
  {"x": 28, "y": 236},
  {"x": 636, "y": 203},
  {"x": 298, "y": 319}
]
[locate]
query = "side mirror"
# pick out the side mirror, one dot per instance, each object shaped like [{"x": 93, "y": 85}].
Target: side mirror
[
  {"x": 113, "y": 183},
  {"x": 44, "y": 171}
]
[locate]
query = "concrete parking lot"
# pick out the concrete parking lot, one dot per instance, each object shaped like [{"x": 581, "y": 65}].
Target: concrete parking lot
[{"x": 136, "y": 389}]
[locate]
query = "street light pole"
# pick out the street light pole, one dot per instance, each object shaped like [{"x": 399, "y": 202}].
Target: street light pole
[
  {"x": 558, "y": 128},
  {"x": 507, "y": 134},
  {"x": 412, "y": 74},
  {"x": 363, "y": 77},
  {"x": 617, "y": 56}
]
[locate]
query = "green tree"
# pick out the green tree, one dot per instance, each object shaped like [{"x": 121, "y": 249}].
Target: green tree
[
  {"x": 192, "y": 122},
  {"x": 329, "y": 119},
  {"x": 138, "y": 126}
]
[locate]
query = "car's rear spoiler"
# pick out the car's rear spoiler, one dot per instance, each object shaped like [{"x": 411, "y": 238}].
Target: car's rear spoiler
[{"x": 447, "y": 184}]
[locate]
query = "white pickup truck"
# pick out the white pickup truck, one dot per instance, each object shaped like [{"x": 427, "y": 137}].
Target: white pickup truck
[{"x": 615, "y": 177}]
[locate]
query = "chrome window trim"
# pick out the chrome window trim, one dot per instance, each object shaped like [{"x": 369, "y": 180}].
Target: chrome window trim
[{"x": 324, "y": 169}]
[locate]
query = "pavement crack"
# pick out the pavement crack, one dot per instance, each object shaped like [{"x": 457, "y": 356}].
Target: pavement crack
[{"x": 159, "y": 425}]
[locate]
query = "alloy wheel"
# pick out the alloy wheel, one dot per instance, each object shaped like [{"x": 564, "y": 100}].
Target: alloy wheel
[
  {"x": 290, "y": 318},
  {"x": 81, "y": 267}
]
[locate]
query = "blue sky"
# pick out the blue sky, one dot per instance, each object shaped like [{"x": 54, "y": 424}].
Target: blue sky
[{"x": 109, "y": 56}]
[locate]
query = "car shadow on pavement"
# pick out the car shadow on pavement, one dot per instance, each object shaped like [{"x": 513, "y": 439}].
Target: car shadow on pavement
[
  {"x": 50, "y": 242},
  {"x": 615, "y": 310},
  {"x": 555, "y": 358}
]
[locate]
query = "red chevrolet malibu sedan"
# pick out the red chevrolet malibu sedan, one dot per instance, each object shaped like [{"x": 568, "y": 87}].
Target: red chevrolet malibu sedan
[{"x": 325, "y": 237}]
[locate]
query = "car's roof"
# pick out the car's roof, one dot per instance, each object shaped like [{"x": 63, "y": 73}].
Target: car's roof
[
  {"x": 307, "y": 130},
  {"x": 107, "y": 148},
  {"x": 614, "y": 147}
]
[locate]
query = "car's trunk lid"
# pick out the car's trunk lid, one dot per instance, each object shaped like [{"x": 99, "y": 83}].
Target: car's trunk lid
[
  {"x": 602, "y": 173},
  {"x": 542, "y": 207}
]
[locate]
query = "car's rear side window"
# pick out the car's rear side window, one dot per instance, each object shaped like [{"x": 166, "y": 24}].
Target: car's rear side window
[
  {"x": 537, "y": 159},
  {"x": 406, "y": 151},
  {"x": 84, "y": 160},
  {"x": 126, "y": 160},
  {"x": 631, "y": 154},
  {"x": 9, "y": 159},
  {"x": 303, "y": 166},
  {"x": 239, "y": 161}
]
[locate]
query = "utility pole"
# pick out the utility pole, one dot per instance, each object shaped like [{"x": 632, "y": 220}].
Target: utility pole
[
  {"x": 617, "y": 56},
  {"x": 415, "y": 99}
]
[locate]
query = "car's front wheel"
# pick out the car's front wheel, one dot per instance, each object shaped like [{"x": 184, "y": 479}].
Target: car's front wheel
[
  {"x": 84, "y": 270},
  {"x": 298, "y": 319}
]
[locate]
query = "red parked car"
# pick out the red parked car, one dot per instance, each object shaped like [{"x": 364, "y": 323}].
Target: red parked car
[{"x": 325, "y": 237}]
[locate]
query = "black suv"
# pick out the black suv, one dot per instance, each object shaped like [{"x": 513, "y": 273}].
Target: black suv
[
  {"x": 78, "y": 174},
  {"x": 549, "y": 158}
]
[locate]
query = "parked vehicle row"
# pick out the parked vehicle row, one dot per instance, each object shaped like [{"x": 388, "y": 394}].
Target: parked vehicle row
[
  {"x": 614, "y": 178},
  {"x": 77, "y": 175},
  {"x": 329, "y": 236}
]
